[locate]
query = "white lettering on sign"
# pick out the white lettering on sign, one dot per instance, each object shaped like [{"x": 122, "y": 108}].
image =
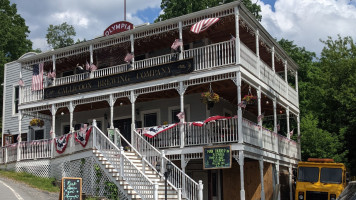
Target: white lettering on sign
[{"x": 118, "y": 27}]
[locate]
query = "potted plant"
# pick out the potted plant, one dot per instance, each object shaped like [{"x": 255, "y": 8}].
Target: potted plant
[
  {"x": 249, "y": 99},
  {"x": 37, "y": 122},
  {"x": 210, "y": 98}
]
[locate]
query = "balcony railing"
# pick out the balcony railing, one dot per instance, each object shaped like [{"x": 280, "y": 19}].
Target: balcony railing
[
  {"x": 210, "y": 56},
  {"x": 224, "y": 132}
]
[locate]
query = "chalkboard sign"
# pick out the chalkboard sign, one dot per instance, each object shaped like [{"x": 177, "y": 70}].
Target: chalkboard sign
[
  {"x": 217, "y": 157},
  {"x": 71, "y": 188}
]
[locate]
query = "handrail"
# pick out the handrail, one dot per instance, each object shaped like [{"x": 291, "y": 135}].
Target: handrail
[
  {"x": 177, "y": 178},
  {"x": 134, "y": 176}
]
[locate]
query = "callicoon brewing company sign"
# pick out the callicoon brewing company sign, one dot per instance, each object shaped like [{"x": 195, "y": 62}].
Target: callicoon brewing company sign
[
  {"x": 118, "y": 27},
  {"x": 126, "y": 78}
]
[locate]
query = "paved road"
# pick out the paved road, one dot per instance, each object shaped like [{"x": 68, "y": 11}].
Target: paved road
[{"x": 14, "y": 190}]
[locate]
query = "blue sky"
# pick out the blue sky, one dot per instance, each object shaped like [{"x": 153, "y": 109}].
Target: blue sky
[{"x": 303, "y": 21}]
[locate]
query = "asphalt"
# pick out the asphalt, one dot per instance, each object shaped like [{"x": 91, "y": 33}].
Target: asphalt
[{"x": 15, "y": 190}]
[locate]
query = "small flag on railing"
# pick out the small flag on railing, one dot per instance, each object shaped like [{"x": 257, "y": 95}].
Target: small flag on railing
[
  {"x": 128, "y": 57},
  {"x": 87, "y": 66},
  {"x": 93, "y": 67},
  {"x": 260, "y": 117},
  {"x": 278, "y": 127},
  {"x": 180, "y": 116},
  {"x": 232, "y": 38},
  {"x": 51, "y": 74},
  {"x": 291, "y": 133},
  {"x": 242, "y": 104},
  {"x": 177, "y": 43},
  {"x": 21, "y": 83}
]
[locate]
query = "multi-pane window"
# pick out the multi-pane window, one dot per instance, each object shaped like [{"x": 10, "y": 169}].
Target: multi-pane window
[
  {"x": 150, "y": 119},
  {"x": 16, "y": 99}
]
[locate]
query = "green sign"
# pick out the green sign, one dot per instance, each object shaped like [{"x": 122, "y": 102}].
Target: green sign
[
  {"x": 217, "y": 157},
  {"x": 115, "y": 80},
  {"x": 71, "y": 188}
]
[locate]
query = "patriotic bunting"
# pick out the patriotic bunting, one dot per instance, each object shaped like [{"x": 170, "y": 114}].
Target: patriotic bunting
[
  {"x": 202, "y": 25},
  {"x": 180, "y": 116},
  {"x": 61, "y": 143},
  {"x": 82, "y": 136},
  {"x": 155, "y": 130}
]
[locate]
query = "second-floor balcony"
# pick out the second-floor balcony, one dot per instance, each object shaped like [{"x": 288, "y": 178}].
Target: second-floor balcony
[{"x": 216, "y": 55}]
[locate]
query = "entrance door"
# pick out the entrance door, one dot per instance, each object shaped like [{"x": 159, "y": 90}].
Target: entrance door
[
  {"x": 215, "y": 185},
  {"x": 124, "y": 125}
]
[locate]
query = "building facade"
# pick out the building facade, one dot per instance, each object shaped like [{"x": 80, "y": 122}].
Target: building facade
[{"x": 235, "y": 58}]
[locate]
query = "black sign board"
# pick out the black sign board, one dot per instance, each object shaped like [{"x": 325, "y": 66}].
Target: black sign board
[
  {"x": 217, "y": 157},
  {"x": 71, "y": 188},
  {"x": 126, "y": 78}
]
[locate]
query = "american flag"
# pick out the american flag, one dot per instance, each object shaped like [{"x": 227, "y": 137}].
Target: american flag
[
  {"x": 291, "y": 133},
  {"x": 180, "y": 116},
  {"x": 278, "y": 127},
  {"x": 51, "y": 74},
  {"x": 260, "y": 117},
  {"x": 93, "y": 67},
  {"x": 202, "y": 25},
  {"x": 242, "y": 104},
  {"x": 128, "y": 57},
  {"x": 21, "y": 83},
  {"x": 37, "y": 77},
  {"x": 176, "y": 44}
]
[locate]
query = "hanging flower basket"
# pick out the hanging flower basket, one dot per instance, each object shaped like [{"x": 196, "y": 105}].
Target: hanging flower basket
[
  {"x": 209, "y": 98},
  {"x": 37, "y": 122},
  {"x": 249, "y": 99}
]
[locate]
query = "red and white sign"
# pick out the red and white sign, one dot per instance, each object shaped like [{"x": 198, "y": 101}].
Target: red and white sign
[{"x": 118, "y": 27}]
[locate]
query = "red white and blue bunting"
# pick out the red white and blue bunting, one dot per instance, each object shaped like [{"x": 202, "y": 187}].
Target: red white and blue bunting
[
  {"x": 62, "y": 143},
  {"x": 82, "y": 136},
  {"x": 155, "y": 130}
]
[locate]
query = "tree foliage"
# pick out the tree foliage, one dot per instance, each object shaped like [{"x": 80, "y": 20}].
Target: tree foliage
[
  {"x": 59, "y": 36},
  {"x": 176, "y": 8},
  {"x": 13, "y": 37}
]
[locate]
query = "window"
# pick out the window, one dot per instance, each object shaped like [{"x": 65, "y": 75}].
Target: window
[
  {"x": 16, "y": 100},
  {"x": 39, "y": 134},
  {"x": 308, "y": 174},
  {"x": 150, "y": 119},
  {"x": 331, "y": 175},
  {"x": 174, "y": 116}
]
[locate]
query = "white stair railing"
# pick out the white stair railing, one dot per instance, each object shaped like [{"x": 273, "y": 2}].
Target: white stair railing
[
  {"x": 127, "y": 170},
  {"x": 190, "y": 188}
]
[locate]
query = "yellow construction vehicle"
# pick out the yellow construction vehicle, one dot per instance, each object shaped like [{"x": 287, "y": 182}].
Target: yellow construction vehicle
[{"x": 320, "y": 179}]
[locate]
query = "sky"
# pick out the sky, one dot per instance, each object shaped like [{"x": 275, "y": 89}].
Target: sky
[{"x": 305, "y": 22}]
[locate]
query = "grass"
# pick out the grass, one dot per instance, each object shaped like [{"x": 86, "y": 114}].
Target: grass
[{"x": 45, "y": 184}]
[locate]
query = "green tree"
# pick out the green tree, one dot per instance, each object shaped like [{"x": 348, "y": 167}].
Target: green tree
[
  {"x": 13, "y": 38},
  {"x": 59, "y": 36},
  {"x": 176, "y": 8}
]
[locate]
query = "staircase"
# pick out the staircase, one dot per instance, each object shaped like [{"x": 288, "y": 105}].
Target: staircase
[
  {"x": 108, "y": 163},
  {"x": 133, "y": 174}
]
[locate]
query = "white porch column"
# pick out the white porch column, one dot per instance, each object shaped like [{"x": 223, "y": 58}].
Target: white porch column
[
  {"x": 239, "y": 110},
  {"x": 20, "y": 88},
  {"x": 111, "y": 103},
  {"x": 296, "y": 83},
  {"x": 181, "y": 91},
  {"x": 275, "y": 115},
  {"x": 242, "y": 182},
  {"x": 290, "y": 182},
  {"x": 262, "y": 179},
  {"x": 19, "y": 137},
  {"x": 180, "y": 25},
  {"x": 298, "y": 138},
  {"x": 277, "y": 179},
  {"x": 287, "y": 118},
  {"x": 133, "y": 50},
  {"x": 53, "y": 111},
  {"x": 259, "y": 108},
  {"x": 273, "y": 65},
  {"x": 258, "y": 53},
  {"x": 71, "y": 110},
  {"x": 54, "y": 68},
  {"x": 133, "y": 98},
  {"x": 286, "y": 71},
  {"x": 183, "y": 164},
  {"x": 237, "y": 36},
  {"x": 91, "y": 54}
]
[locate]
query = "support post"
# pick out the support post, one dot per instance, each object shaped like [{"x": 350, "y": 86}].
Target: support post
[
  {"x": 19, "y": 137},
  {"x": 54, "y": 68},
  {"x": 163, "y": 166},
  {"x": 258, "y": 53},
  {"x": 242, "y": 182},
  {"x": 122, "y": 162},
  {"x": 286, "y": 72},
  {"x": 133, "y": 50},
  {"x": 94, "y": 134},
  {"x": 275, "y": 115},
  {"x": 91, "y": 54},
  {"x": 201, "y": 187},
  {"x": 277, "y": 179},
  {"x": 111, "y": 104},
  {"x": 287, "y": 118},
  {"x": 133, "y": 98},
  {"x": 155, "y": 192},
  {"x": 273, "y": 64},
  {"x": 180, "y": 25},
  {"x": 239, "y": 111},
  {"x": 181, "y": 91},
  {"x": 262, "y": 179},
  {"x": 237, "y": 36},
  {"x": 259, "y": 108},
  {"x": 290, "y": 182},
  {"x": 179, "y": 194},
  {"x": 53, "y": 134},
  {"x": 71, "y": 110}
]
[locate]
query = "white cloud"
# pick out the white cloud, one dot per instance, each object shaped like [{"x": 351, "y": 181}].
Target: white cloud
[
  {"x": 307, "y": 21},
  {"x": 40, "y": 43}
]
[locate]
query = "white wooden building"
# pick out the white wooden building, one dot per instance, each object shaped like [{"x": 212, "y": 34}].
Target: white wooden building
[{"x": 151, "y": 91}]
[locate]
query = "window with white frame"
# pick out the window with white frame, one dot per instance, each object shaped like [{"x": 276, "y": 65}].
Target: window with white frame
[
  {"x": 150, "y": 117},
  {"x": 16, "y": 98}
]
